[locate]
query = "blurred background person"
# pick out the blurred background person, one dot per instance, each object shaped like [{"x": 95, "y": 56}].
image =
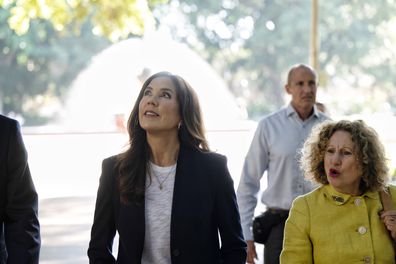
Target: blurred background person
[
  {"x": 339, "y": 222},
  {"x": 20, "y": 229},
  {"x": 274, "y": 147},
  {"x": 321, "y": 107},
  {"x": 167, "y": 195}
]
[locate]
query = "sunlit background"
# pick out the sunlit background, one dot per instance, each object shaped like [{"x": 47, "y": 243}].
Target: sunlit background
[{"x": 71, "y": 70}]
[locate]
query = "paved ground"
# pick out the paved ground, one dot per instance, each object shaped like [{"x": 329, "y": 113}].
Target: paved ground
[
  {"x": 66, "y": 169},
  {"x": 65, "y": 226}
]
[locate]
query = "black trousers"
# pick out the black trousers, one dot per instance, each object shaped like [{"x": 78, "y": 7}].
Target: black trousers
[{"x": 273, "y": 247}]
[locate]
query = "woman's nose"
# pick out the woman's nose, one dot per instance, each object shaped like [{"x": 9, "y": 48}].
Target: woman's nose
[
  {"x": 336, "y": 159},
  {"x": 152, "y": 100}
]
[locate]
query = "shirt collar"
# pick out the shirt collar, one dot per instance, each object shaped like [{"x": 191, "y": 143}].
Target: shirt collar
[
  {"x": 291, "y": 111},
  {"x": 372, "y": 195},
  {"x": 316, "y": 111},
  {"x": 341, "y": 198}
]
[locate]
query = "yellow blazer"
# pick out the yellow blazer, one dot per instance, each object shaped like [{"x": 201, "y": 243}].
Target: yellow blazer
[{"x": 325, "y": 226}]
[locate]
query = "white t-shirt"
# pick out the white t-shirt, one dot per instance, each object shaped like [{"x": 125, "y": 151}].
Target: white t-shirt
[{"x": 158, "y": 208}]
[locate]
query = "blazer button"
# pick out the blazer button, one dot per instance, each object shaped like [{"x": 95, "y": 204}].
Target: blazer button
[
  {"x": 367, "y": 259},
  {"x": 362, "y": 230},
  {"x": 176, "y": 252}
]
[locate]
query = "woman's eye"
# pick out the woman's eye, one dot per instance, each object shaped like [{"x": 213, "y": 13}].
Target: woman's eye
[
  {"x": 147, "y": 92},
  {"x": 331, "y": 151},
  {"x": 347, "y": 153},
  {"x": 166, "y": 95}
]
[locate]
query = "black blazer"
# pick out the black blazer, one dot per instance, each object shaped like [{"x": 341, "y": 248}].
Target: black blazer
[
  {"x": 19, "y": 226},
  {"x": 204, "y": 206}
]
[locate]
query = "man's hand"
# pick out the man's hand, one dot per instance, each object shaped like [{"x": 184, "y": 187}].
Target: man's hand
[
  {"x": 389, "y": 219},
  {"x": 251, "y": 252}
]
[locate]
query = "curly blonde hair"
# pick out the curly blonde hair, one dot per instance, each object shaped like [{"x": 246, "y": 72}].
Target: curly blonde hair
[{"x": 369, "y": 149}]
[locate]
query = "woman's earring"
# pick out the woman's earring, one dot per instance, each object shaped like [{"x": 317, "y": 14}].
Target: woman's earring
[{"x": 179, "y": 126}]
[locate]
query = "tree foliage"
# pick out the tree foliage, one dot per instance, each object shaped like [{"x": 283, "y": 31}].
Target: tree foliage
[
  {"x": 45, "y": 44},
  {"x": 110, "y": 18},
  {"x": 37, "y": 67},
  {"x": 253, "y": 43}
]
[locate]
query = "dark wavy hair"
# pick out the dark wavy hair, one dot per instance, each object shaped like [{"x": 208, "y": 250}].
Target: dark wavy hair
[
  {"x": 132, "y": 164},
  {"x": 369, "y": 151}
]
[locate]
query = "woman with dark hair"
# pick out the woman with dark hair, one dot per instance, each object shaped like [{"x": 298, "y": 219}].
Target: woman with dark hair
[
  {"x": 168, "y": 197},
  {"x": 349, "y": 217}
]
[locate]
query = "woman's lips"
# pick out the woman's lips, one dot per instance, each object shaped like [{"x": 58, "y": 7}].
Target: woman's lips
[{"x": 334, "y": 173}]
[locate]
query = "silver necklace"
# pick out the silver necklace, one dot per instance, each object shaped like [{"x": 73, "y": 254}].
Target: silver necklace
[{"x": 156, "y": 176}]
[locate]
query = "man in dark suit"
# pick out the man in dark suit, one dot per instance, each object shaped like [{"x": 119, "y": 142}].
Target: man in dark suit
[{"x": 19, "y": 225}]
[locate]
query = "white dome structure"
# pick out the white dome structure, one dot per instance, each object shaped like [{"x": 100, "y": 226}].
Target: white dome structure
[{"x": 108, "y": 87}]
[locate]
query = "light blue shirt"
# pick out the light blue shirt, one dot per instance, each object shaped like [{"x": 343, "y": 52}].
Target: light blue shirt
[{"x": 275, "y": 149}]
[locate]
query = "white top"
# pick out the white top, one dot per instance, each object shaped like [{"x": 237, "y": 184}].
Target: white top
[{"x": 158, "y": 209}]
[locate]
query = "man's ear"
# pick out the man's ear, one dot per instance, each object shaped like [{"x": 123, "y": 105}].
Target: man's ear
[{"x": 287, "y": 88}]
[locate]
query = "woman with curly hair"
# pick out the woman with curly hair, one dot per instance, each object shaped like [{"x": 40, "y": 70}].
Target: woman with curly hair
[{"x": 343, "y": 220}]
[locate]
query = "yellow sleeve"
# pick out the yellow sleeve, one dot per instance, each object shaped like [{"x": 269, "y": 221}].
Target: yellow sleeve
[
  {"x": 392, "y": 191},
  {"x": 297, "y": 246}
]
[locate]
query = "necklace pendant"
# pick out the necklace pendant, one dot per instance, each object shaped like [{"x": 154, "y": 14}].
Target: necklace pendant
[{"x": 160, "y": 186}]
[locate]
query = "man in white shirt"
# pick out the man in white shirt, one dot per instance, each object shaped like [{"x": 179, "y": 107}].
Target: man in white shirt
[{"x": 275, "y": 149}]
